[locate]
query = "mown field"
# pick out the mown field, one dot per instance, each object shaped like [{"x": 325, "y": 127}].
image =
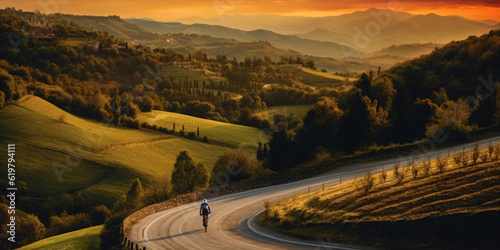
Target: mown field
[
  {"x": 456, "y": 207},
  {"x": 191, "y": 74},
  {"x": 219, "y": 133},
  {"x": 87, "y": 238},
  {"x": 58, "y": 152},
  {"x": 316, "y": 78}
]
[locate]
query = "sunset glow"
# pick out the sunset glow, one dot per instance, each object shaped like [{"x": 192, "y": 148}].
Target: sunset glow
[{"x": 171, "y": 10}]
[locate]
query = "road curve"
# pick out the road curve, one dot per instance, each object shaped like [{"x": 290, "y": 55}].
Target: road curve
[{"x": 233, "y": 221}]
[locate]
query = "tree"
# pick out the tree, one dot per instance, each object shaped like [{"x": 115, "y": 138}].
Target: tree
[
  {"x": 2, "y": 99},
  {"x": 7, "y": 85},
  {"x": 135, "y": 191},
  {"x": 383, "y": 91},
  {"x": 451, "y": 118},
  {"x": 279, "y": 154},
  {"x": 159, "y": 190},
  {"x": 29, "y": 230},
  {"x": 238, "y": 164},
  {"x": 259, "y": 152},
  {"x": 321, "y": 124},
  {"x": 187, "y": 175},
  {"x": 310, "y": 64},
  {"x": 364, "y": 83},
  {"x": 356, "y": 126},
  {"x": 99, "y": 215}
]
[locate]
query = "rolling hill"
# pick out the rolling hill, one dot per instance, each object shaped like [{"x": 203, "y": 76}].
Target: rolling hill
[
  {"x": 88, "y": 238},
  {"x": 219, "y": 133},
  {"x": 317, "y": 78},
  {"x": 65, "y": 153},
  {"x": 302, "y": 45},
  {"x": 233, "y": 43},
  {"x": 408, "y": 51},
  {"x": 402, "y": 27},
  {"x": 454, "y": 207}
]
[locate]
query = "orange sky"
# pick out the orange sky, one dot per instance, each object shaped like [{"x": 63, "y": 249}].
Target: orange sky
[{"x": 166, "y": 10}]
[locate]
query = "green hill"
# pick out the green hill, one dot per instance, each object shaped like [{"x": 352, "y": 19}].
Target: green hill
[
  {"x": 219, "y": 133},
  {"x": 88, "y": 238},
  {"x": 316, "y": 78},
  {"x": 58, "y": 152}
]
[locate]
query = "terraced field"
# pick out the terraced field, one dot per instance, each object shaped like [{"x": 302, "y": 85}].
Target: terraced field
[{"x": 432, "y": 210}]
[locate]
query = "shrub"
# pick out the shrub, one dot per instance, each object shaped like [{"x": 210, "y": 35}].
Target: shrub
[
  {"x": 475, "y": 154},
  {"x": 382, "y": 177},
  {"x": 205, "y": 139},
  {"x": 367, "y": 182},
  {"x": 67, "y": 223},
  {"x": 110, "y": 235},
  {"x": 414, "y": 172},
  {"x": 164, "y": 130},
  {"x": 398, "y": 175},
  {"x": 426, "y": 167},
  {"x": 191, "y": 135},
  {"x": 457, "y": 159},
  {"x": 159, "y": 191},
  {"x": 29, "y": 230},
  {"x": 441, "y": 164},
  {"x": 496, "y": 152},
  {"x": 235, "y": 165},
  {"x": 484, "y": 157},
  {"x": 99, "y": 215},
  {"x": 465, "y": 160}
]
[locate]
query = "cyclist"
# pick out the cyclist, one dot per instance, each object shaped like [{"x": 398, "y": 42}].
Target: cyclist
[{"x": 205, "y": 211}]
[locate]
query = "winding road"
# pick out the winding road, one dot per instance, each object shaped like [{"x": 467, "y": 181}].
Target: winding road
[{"x": 233, "y": 222}]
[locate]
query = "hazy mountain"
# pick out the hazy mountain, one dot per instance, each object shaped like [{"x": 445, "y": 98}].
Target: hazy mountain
[
  {"x": 305, "y": 46},
  {"x": 276, "y": 23},
  {"x": 115, "y": 26},
  {"x": 182, "y": 41},
  {"x": 408, "y": 50},
  {"x": 368, "y": 31},
  {"x": 488, "y": 22}
]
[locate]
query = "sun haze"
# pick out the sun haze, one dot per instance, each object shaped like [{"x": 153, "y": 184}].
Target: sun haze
[{"x": 175, "y": 9}]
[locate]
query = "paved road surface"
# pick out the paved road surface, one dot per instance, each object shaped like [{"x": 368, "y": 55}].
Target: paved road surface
[{"x": 233, "y": 221}]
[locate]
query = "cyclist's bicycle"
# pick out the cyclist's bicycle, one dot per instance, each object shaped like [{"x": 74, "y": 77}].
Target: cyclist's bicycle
[{"x": 205, "y": 221}]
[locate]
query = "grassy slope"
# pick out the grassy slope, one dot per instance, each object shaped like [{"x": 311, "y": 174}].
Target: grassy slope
[
  {"x": 107, "y": 158},
  {"x": 200, "y": 75},
  {"x": 458, "y": 197},
  {"x": 298, "y": 110},
  {"x": 88, "y": 238},
  {"x": 221, "y": 133},
  {"x": 315, "y": 78}
]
